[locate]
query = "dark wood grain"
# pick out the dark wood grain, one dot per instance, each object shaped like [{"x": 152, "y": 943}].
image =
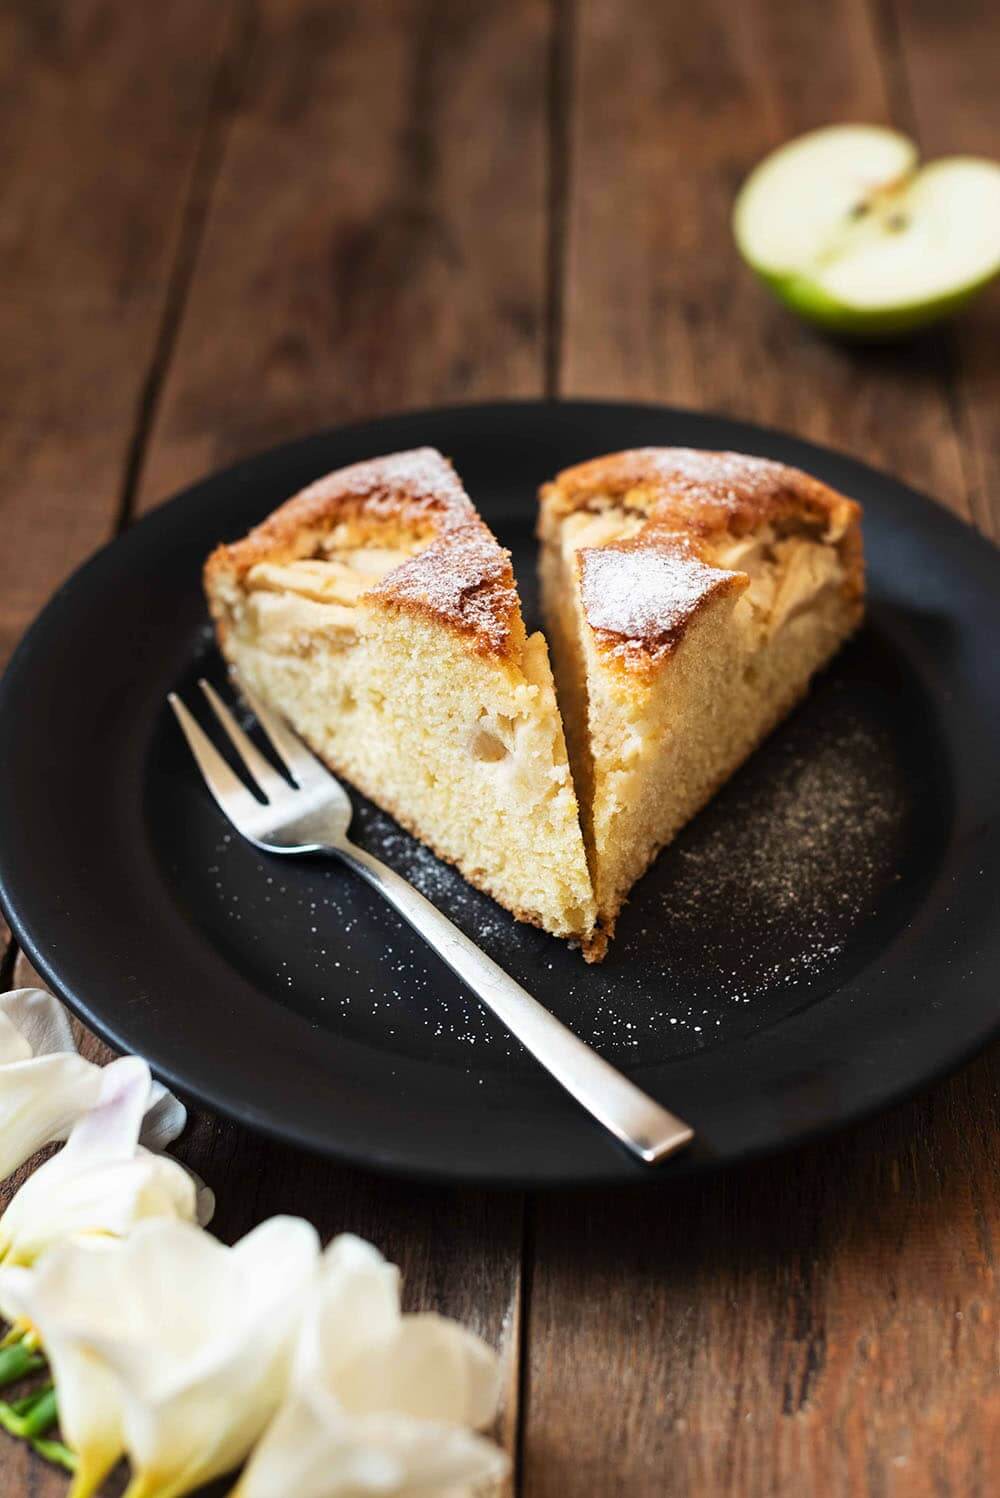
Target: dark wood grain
[
  {"x": 7, "y": 953},
  {"x": 657, "y": 305},
  {"x": 225, "y": 226},
  {"x": 102, "y": 109},
  {"x": 946, "y": 62},
  {"x": 105, "y": 113},
  {"x": 377, "y": 235},
  {"x": 822, "y": 1324},
  {"x": 825, "y": 1324}
]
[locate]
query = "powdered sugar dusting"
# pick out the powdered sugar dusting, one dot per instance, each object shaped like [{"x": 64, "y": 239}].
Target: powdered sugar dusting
[
  {"x": 787, "y": 879},
  {"x": 737, "y": 477},
  {"x": 738, "y": 473},
  {"x": 421, "y": 475},
  {"x": 646, "y": 591},
  {"x": 464, "y": 577},
  {"x": 687, "y": 490}
]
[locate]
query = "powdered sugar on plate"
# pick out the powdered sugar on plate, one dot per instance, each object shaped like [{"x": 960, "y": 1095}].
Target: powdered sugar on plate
[{"x": 786, "y": 885}]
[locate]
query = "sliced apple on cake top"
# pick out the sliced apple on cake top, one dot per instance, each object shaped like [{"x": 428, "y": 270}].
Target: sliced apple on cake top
[
  {"x": 377, "y": 612},
  {"x": 689, "y": 598}
]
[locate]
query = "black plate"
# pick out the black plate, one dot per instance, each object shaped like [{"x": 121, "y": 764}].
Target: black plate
[{"x": 824, "y": 938}]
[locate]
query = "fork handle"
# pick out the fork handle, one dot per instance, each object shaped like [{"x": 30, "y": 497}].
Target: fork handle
[{"x": 645, "y": 1128}]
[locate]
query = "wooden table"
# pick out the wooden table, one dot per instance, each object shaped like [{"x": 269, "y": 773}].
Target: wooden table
[{"x": 227, "y": 224}]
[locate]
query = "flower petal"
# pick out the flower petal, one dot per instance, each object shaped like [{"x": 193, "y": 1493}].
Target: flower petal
[
  {"x": 314, "y": 1451},
  {"x": 187, "y": 1343},
  {"x": 429, "y": 1369},
  {"x": 100, "y": 1181},
  {"x": 33, "y": 1023},
  {"x": 356, "y": 1300},
  {"x": 203, "y": 1375},
  {"x": 40, "y": 1019},
  {"x": 166, "y": 1117},
  {"x": 110, "y": 1131},
  {"x": 204, "y": 1198},
  {"x": 51, "y": 1297},
  {"x": 103, "y": 1199},
  {"x": 380, "y": 1403},
  {"x": 39, "y": 1101},
  {"x": 14, "y": 1048}
]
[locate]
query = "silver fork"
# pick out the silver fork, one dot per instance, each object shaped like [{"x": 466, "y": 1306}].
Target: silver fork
[{"x": 312, "y": 815}]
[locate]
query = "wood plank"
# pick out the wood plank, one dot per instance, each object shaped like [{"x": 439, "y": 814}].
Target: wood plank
[
  {"x": 102, "y": 110},
  {"x": 6, "y": 945},
  {"x": 672, "y": 106},
  {"x": 100, "y": 104},
  {"x": 947, "y": 60},
  {"x": 376, "y": 239},
  {"x": 823, "y": 1324}
]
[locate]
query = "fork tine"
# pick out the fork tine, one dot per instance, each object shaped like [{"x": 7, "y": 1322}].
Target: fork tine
[
  {"x": 233, "y": 798},
  {"x": 300, "y": 762},
  {"x": 266, "y": 776}
]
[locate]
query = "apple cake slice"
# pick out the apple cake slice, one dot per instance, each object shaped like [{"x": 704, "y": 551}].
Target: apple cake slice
[
  {"x": 689, "y": 597},
  {"x": 379, "y": 615}
]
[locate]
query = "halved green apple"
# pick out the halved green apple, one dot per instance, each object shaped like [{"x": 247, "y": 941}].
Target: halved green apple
[{"x": 851, "y": 232}]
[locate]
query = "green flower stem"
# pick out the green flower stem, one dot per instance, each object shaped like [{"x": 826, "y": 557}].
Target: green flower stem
[
  {"x": 42, "y": 1415},
  {"x": 31, "y": 1417},
  {"x": 22, "y": 1406},
  {"x": 55, "y": 1452},
  {"x": 16, "y": 1361}
]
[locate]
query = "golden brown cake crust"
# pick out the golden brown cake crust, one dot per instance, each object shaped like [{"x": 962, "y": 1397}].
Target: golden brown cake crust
[
  {"x": 462, "y": 578},
  {"x": 701, "y": 493},
  {"x": 688, "y": 499}
]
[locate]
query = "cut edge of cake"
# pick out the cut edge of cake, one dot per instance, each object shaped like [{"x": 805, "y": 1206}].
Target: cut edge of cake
[
  {"x": 689, "y": 598},
  {"x": 378, "y": 613}
]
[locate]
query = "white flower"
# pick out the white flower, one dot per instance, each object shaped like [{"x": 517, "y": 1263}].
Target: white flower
[
  {"x": 163, "y": 1121},
  {"x": 54, "y": 1301},
  {"x": 101, "y": 1181},
  {"x": 45, "y": 1086},
  {"x": 168, "y": 1346},
  {"x": 381, "y": 1403}
]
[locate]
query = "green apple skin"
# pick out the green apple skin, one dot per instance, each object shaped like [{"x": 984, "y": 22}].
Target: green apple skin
[
  {"x": 816, "y": 306},
  {"x": 873, "y": 168}
]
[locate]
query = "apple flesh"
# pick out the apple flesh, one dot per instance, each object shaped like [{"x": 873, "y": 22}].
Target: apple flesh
[{"x": 852, "y": 233}]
